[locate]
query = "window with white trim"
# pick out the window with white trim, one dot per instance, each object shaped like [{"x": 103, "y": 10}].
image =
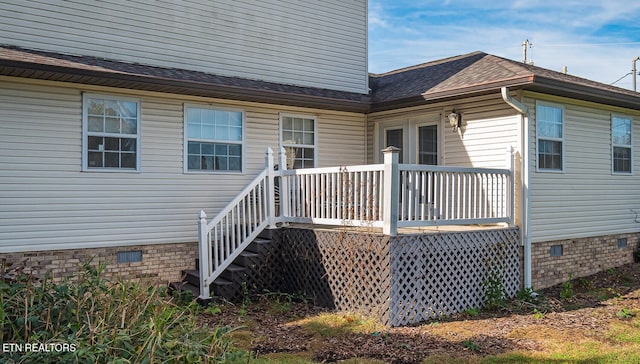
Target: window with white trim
[
  {"x": 111, "y": 127},
  {"x": 298, "y": 137},
  {"x": 214, "y": 139},
  {"x": 550, "y": 137},
  {"x": 621, "y": 147}
]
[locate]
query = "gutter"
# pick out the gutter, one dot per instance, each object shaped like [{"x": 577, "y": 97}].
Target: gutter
[{"x": 525, "y": 236}]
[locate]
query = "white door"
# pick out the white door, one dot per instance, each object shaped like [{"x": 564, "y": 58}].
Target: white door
[{"x": 418, "y": 137}]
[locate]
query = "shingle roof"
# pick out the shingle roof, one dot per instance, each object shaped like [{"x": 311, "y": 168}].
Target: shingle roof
[
  {"x": 479, "y": 72},
  {"x": 455, "y": 77},
  {"x": 20, "y": 62}
]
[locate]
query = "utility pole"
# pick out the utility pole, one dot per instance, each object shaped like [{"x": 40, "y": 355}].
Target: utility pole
[
  {"x": 634, "y": 71},
  {"x": 524, "y": 50}
]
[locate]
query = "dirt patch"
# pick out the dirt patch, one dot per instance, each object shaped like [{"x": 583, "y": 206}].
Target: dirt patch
[{"x": 583, "y": 309}]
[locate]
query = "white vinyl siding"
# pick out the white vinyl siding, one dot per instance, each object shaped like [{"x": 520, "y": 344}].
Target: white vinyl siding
[
  {"x": 47, "y": 202},
  {"x": 111, "y": 133},
  {"x": 587, "y": 200},
  {"x": 308, "y": 43},
  {"x": 621, "y": 145},
  {"x": 550, "y": 137},
  {"x": 490, "y": 128}
]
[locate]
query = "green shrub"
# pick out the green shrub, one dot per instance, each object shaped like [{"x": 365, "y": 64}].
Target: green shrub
[
  {"x": 495, "y": 295},
  {"x": 567, "y": 293},
  {"x": 624, "y": 313},
  {"x": 104, "y": 322}
]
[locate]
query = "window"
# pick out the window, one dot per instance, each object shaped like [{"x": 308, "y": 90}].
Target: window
[
  {"x": 550, "y": 137},
  {"x": 394, "y": 138},
  {"x": 621, "y": 144},
  {"x": 214, "y": 139},
  {"x": 428, "y": 144},
  {"x": 299, "y": 141},
  {"x": 111, "y": 128}
]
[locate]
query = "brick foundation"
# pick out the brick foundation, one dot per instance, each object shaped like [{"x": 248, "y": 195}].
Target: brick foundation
[
  {"x": 160, "y": 263},
  {"x": 580, "y": 257}
]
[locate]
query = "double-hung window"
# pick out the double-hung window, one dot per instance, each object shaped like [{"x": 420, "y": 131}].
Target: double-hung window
[
  {"x": 111, "y": 133},
  {"x": 550, "y": 137},
  {"x": 621, "y": 144},
  {"x": 214, "y": 139},
  {"x": 298, "y": 138}
]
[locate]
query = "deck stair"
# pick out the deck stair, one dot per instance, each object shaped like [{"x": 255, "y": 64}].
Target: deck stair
[{"x": 245, "y": 275}]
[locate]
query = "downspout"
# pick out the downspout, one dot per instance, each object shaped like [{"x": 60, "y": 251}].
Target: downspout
[{"x": 525, "y": 236}]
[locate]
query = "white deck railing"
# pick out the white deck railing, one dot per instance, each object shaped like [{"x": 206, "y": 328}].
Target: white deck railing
[
  {"x": 333, "y": 196},
  {"x": 433, "y": 195},
  {"x": 393, "y": 195},
  {"x": 388, "y": 195}
]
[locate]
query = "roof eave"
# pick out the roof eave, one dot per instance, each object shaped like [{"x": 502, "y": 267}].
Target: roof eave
[
  {"x": 583, "y": 92},
  {"x": 176, "y": 86},
  {"x": 451, "y": 94},
  {"x": 530, "y": 83}
]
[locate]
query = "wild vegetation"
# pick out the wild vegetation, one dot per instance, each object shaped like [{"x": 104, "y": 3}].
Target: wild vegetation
[
  {"x": 592, "y": 319},
  {"x": 589, "y": 319},
  {"x": 88, "y": 319}
]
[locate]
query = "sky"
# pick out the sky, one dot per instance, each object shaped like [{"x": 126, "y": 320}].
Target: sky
[{"x": 597, "y": 40}]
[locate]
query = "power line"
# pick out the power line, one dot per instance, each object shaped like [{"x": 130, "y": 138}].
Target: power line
[
  {"x": 587, "y": 44},
  {"x": 620, "y": 79}
]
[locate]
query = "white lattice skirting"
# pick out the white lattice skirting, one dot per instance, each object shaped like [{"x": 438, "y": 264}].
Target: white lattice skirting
[{"x": 435, "y": 275}]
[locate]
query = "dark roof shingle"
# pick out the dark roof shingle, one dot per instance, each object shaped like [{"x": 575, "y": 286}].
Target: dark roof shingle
[
  {"x": 465, "y": 75},
  {"x": 479, "y": 72},
  {"x": 20, "y": 62}
]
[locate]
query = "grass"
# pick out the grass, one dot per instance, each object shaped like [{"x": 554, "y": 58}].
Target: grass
[
  {"x": 619, "y": 344},
  {"x": 540, "y": 326},
  {"x": 337, "y": 324}
]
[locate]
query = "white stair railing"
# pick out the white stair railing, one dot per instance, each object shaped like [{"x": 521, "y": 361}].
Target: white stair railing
[{"x": 225, "y": 237}]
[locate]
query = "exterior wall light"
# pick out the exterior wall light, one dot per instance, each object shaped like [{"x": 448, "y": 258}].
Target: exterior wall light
[{"x": 455, "y": 120}]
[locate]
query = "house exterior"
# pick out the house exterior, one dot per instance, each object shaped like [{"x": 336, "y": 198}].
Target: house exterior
[
  {"x": 112, "y": 142},
  {"x": 91, "y": 189},
  {"x": 578, "y": 190}
]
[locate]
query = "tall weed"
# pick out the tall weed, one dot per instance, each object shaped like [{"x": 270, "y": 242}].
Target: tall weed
[{"x": 106, "y": 322}]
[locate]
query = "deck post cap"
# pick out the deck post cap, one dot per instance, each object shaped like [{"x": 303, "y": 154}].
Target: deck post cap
[{"x": 391, "y": 149}]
